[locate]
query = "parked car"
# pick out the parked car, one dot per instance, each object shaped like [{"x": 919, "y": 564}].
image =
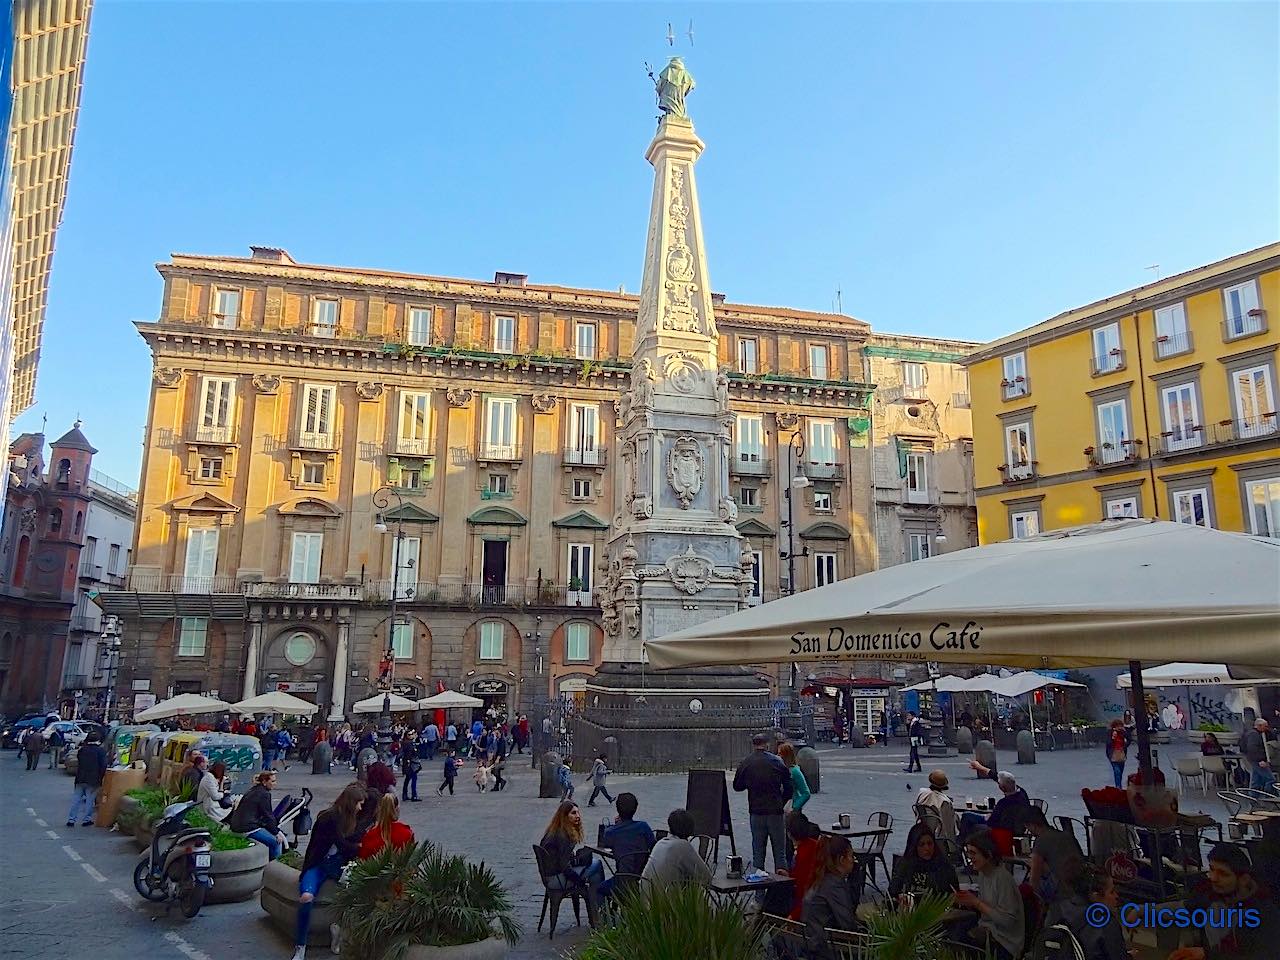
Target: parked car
[
  {"x": 74, "y": 731},
  {"x": 14, "y": 732}
]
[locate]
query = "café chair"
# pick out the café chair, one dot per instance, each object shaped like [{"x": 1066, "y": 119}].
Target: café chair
[
  {"x": 786, "y": 936},
  {"x": 1189, "y": 769},
  {"x": 1214, "y": 769},
  {"x": 1041, "y": 805},
  {"x": 1068, "y": 825},
  {"x": 1259, "y": 800},
  {"x": 708, "y": 847},
  {"x": 554, "y": 890},
  {"x": 873, "y": 847}
]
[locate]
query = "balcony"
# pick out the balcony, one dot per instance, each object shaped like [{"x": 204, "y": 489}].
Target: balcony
[
  {"x": 326, "y": 441},
  {"x": 407, "y": 447},
  {"x": 498, "y": 453},
  {"x": 224, "y": 321},
  {"x": 75, "y": 681},
  {"x": 1247, "y": 325},
  {"x": 179, "y": 583},
  {"x": 577, "y": 457},
  {"x": 1174, "y": 344},
  {"x": 1015, "y": 388},
  {"x": 89, "y": 570},
  {"x": 1190, "y": 439},
  {"x": 1018, "y": 472},
  {"x": 1110, "y": 362},
  {"x": 476, "y": 596},
  {"x": 824, "y": 470},
  {"x": 1110, "y": 456},
  {"x": 323, "y": 330},
  {"x": 961, "y": 401},
  {"x": 915, "y": 495},
  {"x": 216, "y": 435},
  {"x": 342, "y": 592},
  {"x": 85, "y": 623},
  {"x": 749, "y": 464}
]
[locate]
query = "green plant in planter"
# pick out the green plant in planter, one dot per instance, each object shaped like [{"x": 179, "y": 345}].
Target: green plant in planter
[
  {"x": 220, "y": 838},
  {"x": 291, "y": 858},
  {"x": 420, "y": 894},
  {"x": 915, "y": 934},
  {"x": 1210, "y": 727},
  {"x": 675, "y": 922}
]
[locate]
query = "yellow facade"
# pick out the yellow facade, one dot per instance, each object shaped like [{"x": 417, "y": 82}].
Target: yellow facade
[{"x": 1157, "y": 402}]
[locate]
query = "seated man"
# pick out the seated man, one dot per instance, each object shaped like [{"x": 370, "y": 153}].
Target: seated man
[
  {"x": 934, "y": 799},
  {"x": 673, "y": 859},
  {"x": 1055, "y": 859},
  {"x": 1230, "y": 883},
  {"x": 629, "y": 839}
]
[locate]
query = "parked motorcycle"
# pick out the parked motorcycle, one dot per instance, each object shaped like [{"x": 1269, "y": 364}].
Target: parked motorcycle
[{"x": 176, "y": 867}]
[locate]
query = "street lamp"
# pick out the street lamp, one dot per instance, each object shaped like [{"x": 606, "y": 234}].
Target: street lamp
[
  {"x": 798, "y": 482},
  {"x": 382, "y": 500},
  {"x": 111, "y": 652}
]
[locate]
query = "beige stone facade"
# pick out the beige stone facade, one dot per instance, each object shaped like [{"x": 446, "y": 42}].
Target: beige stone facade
[{"x": 286, "y": 395}]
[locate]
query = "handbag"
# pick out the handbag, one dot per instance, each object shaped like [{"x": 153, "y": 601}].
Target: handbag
[{"x": 414, "y": 766}]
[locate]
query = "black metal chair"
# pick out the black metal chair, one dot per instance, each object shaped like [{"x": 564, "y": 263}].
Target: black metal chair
[
  {"x": 873, "y": 847},
  {"x": 554, "y": 890}
]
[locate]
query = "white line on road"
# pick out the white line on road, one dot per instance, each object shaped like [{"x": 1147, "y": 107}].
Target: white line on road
[
  {"x": 71, "y": 853},
  {"x": 123, "y": 898},
  {"x": 31, "y": 810},
  {"x": 92, "y": 871},
  {"x": 52, "y": 835},
  {"x": 40, "y": 822},
  {"x": 186, "y": 948}
]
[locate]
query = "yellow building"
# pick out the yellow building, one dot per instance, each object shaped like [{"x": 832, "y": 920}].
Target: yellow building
[{"x": 1156, "y": 402}]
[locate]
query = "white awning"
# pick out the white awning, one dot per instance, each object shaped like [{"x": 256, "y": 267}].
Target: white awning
[{"x": 1186, "y": 675}]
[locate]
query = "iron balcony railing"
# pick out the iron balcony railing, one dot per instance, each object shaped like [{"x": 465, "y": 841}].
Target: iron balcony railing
[
  {"x": 961, "y": 401},
  {"x": 211, "y": 434},
  {"x": 326, "y": 440},
  {"x": 749, "y": 464},
  {"x": 579, "y": 457},
  {"x": 504, "y": 452},
  {"x": 1015, "y": 388},
  {"x": 263, "y": 590},
  {"x": 1109, "y": 362},
  {"x": 1245, "y": 325},
  {"x": 410, "y": 447},
  {"x": 90, "y": 570},
  {"x": 824, "y": 470},
  {"x": 1174, "y": 344},
  {"x": 480, "y": 595},
  {"x": 1200, "y": 436}
]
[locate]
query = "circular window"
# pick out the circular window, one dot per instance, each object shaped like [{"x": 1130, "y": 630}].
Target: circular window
[
  {"x": 695, "y": 706},
  {"x": 913, "y": 412},
  {"x": 299, "y": 649}
]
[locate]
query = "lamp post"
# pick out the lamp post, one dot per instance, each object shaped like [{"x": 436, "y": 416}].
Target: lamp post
[
  {"x": 798, "y": 481},
  {"x": 111, "y": 652},
  {"x": 382, "y": 500}
]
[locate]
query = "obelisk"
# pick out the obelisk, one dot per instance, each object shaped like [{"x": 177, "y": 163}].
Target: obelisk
[{"x": 675, "y": 557}]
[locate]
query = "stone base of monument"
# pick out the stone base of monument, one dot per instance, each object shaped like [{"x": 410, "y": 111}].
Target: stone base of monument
[{"x": 669, "y": 721}]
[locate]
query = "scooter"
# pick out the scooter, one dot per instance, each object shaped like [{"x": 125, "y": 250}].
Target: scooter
[{"x": 180, "y": 871}]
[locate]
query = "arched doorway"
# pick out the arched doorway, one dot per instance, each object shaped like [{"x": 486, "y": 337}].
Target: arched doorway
[{"x": 495, "y": 693}]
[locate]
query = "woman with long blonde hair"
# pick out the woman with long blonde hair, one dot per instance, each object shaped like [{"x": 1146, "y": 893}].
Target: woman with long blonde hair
[
  {"x": 387, "y": 830},
  {"x": 573, "y": 867}
]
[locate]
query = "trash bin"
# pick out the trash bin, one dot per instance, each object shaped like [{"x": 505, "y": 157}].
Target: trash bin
[
  {"x": 1026, "y": 747},
  {"x": 547, "y": 785},
  {"x": 807, "y": 761},
  {"x": 964, "y": 740}
]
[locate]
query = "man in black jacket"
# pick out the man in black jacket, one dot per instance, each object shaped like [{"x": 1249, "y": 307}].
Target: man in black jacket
[
  {"x": 767, "y": 782},
  {"x": 915, "y": 737},
  {"x": 91, "y": 766}
]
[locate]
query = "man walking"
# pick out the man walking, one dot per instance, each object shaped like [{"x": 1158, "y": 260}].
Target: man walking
[
  {"x": 91, "y": 760},
  {"x": 450, "y": 773},
  {"x": 767, "y": 782},
  {"x": 56, "y": 742},
  {"x": 915, "y": 737},
  {"x": 32, "y": 744},
  {"x": 430, "y": 737},
  {"x": 1253, "y": 745}
]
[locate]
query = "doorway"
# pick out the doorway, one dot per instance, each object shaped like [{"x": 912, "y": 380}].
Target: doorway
[{"x": 494, "y": 571}]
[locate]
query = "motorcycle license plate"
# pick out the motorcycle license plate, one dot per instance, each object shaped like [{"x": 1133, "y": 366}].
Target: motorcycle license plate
[{"x": 203, "y": 859}]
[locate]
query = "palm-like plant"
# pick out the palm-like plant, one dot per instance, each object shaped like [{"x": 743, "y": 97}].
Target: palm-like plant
[
  {"x": 913, "y": 934},
  {"x": 420, "y": 894},
  {"x": 674, "y": 923}
]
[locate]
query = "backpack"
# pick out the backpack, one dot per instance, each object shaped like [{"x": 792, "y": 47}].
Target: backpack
[
  {"x": 1239, "y": 776},
  {"x": 1057, "y": 943}
]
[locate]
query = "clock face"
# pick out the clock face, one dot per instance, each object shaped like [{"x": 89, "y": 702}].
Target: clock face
[{"x": 47, "y": 562}]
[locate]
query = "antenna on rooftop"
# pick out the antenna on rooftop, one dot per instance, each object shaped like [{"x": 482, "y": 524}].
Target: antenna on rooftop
[
  {"x": 1155, "y": 268},
  {"x": 839, "y": 301}
]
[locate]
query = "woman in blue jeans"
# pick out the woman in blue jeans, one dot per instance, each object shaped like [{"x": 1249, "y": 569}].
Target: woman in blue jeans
[
  {"x": 254, "y": 815},
  {"x": 335, "y": 842}
]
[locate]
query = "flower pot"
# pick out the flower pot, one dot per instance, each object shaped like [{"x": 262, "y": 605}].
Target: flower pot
[
  {"x": 492, "y": 949},
  {"x": 279, "y": 898},
  {"x": 237, "y": 874}
]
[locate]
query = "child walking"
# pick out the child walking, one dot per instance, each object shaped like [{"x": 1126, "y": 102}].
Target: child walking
[
  {"x": 564, "y": 777},
  {"x": 482, "y": 776},
  {"x": 599, "y": 774},
  {"x": 450, "y": 773}
]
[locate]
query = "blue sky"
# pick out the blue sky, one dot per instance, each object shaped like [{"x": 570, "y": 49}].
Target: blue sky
[{"x": 954, "y": 169}]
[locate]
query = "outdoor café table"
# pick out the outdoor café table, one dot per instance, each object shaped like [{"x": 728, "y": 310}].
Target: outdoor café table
[
  {"x": 724, "y": 887},
  {"x": 855, "y": 833}
]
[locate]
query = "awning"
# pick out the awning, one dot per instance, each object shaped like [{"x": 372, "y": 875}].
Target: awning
[
  {"x": 449, "y": 699},
  {"x": 183, "y": 705},
  {"x": 275, "y": 702},
  {"x": 1186, "y": 675},
  {"x": 373, "y": 704}
]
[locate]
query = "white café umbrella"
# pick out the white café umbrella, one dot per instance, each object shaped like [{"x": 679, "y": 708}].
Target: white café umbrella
[
  {"x": 373, "y": 704},
  {"x": 1025, "y": 682},
  {"x": 947, "y": 684},
  {"x": 1185, "y": 675},
  {"x": 448, "y": 699},
  {"x": 183, "y": 705},
  {"x": 275, "y": 702}
]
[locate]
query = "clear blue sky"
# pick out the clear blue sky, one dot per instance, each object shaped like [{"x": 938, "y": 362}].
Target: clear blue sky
[{"x": 956, "y": 170}]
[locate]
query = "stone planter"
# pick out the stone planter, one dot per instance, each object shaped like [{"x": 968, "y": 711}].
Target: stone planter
[
  {"x": 237, "y": 874},
  {"x": 143, "y": 834},
  {"x": 494, "y": 949},
  {"x": 126, "y": 814},
  {"x": 279, "y": 898}
]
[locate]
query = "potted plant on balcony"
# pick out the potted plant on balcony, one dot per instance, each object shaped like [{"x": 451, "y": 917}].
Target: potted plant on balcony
[
  {"x": 575, "y": 588},
  {"x": 420, "y": 903}
]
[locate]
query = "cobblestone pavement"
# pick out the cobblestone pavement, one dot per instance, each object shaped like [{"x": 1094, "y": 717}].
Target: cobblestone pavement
[{"x": 67, "y": 892}]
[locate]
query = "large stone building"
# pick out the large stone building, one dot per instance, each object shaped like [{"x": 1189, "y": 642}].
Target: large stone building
[{"x": 285, "y": 395}]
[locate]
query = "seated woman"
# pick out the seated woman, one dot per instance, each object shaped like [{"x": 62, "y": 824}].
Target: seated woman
[
  {"x": 334, "y": 843},
  {"x": 923, "y": 869},
  {"x": 254, "y": 815},
  {"x": 998, "y": 919},
  {"x": 804, "y": 833},
  {"x": 1210, "y": 747},
  {"x": 573, "y": 867},
  {"x": 830, "y": 903},
  {"x": 387, "y": 831},
  {"x": 210, "y": 794}
]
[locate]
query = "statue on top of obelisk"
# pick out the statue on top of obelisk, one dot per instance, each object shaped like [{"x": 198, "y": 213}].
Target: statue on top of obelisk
[{"x": 674, "y": 83}]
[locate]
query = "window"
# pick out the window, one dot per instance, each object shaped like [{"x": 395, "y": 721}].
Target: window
[
  {"x": 577, "y": 641},
  {"x": 824, "y": 569},
  {"x": 419, "y": 326},
  {"x": 1172, "y": 335},
  {"x": 226, "y": 308},
  {"x": 1024, "y": 523},
  {"x": 918, "y": 546},
  {"x": 822, "y": 441},
  {"x": 1262, "y": 504},
  {"x": 324, "y": 317},
  {"x": 757, "y": 578},
  {"x": 918, "y": 477},
  {"x": 822, "y": 501},
  {"x": 1017, "y": 449},
  {"x": 750, "y": 437},
  {"x": 504, "y": 334},
  {"x": 201, "y": 561},
  {"x": 300, "y": 648},
  {"x": 217, "y": 397},
  {"x": 192, "y": 635},
  {"x": 579, "y": 573},
  {"x": 748, "y": 354},
  {"x": 1107, "y": 355},
  {"x": 90, "y": 551},
  {"x": 584, "y": 433},
  {"x": 1121, "y": 507},
  {"x": 1015, "y": 382},
  {"x": 1181, "y": 417},
  {"x": 410, "y": 478},
  {"x": 584, "y": 340},
  {"x": 498, "y": 483},
  {"x": 1239, "y": 301},
  {"x": 1113, "y": 431},
  {"x": 55, "y": 520},
  {"x": 406, "y": 575},
  {"x": 581, "y": 488},
  {"x": 210, "y": 468},
  {"x": 413, "y": 432},
  {"x": 913, "y": 377},
  {"x": 1191, "y": 506},
  {"x": 113, "y": 559},
  {"x": 313, "y": 474},
  {"x": 500, "y": 428},
  {"x": 402, "y": 641},
  {"x": 490, "y": 641},
  {"x": 1255, "y": 401},
  {"x": 818, "y": 354},
  {"x": 304, "y": 560},
  {"x": 749, "y": 498},
  {"x": 318, "y": 402}
]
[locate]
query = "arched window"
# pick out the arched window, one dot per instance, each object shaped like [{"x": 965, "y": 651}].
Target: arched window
[
  {"x": 20, "y": 562},
  {"x": 64, "y": 474},
  {"x": 79, "y": 522},
  {"x": 55, "y": 520}
]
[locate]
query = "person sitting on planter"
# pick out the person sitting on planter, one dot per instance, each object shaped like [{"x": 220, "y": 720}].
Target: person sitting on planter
[
  {"x": 923, "y": 869},
  {"x": 380, "y": 778},
  {"x": 830, "y": 904},
  {"x": 334, "y": 843},
  {"x": 213, "y": 800},
  {"x": 254, "y": 815},
  {"x": 192, "y": 774},
  {"x": 575, "y": 867},
  {"x": 388, "y": 830}
]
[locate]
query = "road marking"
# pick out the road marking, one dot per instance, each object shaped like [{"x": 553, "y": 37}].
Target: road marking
[
  {"x": 123, "y": 898},
  {"x": 71, "y": 853},
  {"x": 41, "y": 822},
  {"x": 186, "y": 948},
  {"x": 51, "y": 835},
  {"x": 92, "y": 871},
  {"x": 31, "y": 810}
]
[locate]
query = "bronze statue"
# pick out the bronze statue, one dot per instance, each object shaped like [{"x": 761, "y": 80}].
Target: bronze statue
[{"x": 674, "y": 83}]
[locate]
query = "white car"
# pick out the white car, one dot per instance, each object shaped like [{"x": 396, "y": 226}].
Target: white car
[{"x": 74, "y": 731}]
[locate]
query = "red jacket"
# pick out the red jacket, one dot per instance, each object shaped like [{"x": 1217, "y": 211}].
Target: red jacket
[
  {"x": 401, "y": 836},
  {"x": 802, "y": 873}
]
